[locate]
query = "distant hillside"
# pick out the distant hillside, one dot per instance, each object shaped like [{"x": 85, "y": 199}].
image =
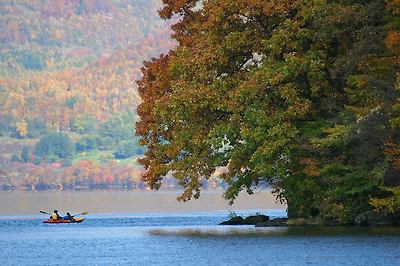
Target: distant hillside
[
  {"x": 49, "y": 34},
  {"x": 69, "y": 59},
  {"x": 68, "y": 95}
]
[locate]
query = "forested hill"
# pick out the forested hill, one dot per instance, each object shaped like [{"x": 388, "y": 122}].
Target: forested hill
[
  {"x": 68, "y": 60},
  {"x": 68, "y": 95}
]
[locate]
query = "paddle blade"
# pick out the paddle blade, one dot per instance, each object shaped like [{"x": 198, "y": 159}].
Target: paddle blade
[
  {"x": 82, "y": 213},
  {"x": 44, "y": 212}
]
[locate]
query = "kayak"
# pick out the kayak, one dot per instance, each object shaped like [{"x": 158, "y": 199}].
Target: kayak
[{"x": 75, "y": 220}]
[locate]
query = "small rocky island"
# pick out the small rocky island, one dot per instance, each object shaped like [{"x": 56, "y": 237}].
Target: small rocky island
[
  {"x": 369, "y": 218},
  {"x": 257, "y": 220}
]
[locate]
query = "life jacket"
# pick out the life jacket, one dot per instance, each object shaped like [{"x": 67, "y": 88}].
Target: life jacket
[
  {"x": 54, "y": 216},
  {"x": 68, "y": 217}
]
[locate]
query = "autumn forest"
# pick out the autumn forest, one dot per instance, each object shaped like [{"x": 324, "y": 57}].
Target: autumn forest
[{"x": 68, "y": 95}]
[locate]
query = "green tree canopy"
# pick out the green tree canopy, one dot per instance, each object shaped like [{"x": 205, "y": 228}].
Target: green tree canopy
[
  {"x": 119, "y": 127},
  {"x": 299, "y": 93},
  {"x": 54, "y": 144}
]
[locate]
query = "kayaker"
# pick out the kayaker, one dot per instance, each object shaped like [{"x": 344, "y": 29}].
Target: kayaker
[
  {"x": 55, "y": 216},
  {"x": 68, "y": 217}
]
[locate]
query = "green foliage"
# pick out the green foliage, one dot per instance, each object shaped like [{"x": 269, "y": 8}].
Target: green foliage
[
  {"x": 87, "y": 143},
  {"x": 390, "y": 203},
  {"x": 37, "y": 160},
  {"x": 106, "y": 143},
  {"x": 54, "y": 146},
  {"x": 36, "y": 128},
  {"x": 119, "y": 127},
  {"x": 126, "y": 150},
  {"x": 95, "y": 155},
  {"x": 70, "y": 102},
  {"x": 25, "y": 156},
  {"x": 16, "y": 158},
  {"x": 83, "y": 125},
  {"x": 30, "y": 60}
]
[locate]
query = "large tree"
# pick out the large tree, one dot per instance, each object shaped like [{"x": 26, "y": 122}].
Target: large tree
[{"x": 299, "y": 93}]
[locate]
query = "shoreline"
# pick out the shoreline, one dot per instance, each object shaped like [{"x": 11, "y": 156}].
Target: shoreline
[{"x": 260, "y": 221}]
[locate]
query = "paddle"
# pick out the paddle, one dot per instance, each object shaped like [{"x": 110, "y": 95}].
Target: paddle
[{"x": 82, "y": 213}]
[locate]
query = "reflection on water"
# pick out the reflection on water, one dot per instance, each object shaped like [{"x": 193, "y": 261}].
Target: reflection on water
[
  {"x": 29, "y": 203},
  {"x": 250, "y": 231}
]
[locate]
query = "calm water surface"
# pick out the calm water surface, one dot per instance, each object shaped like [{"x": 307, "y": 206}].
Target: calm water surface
[
  {"x": 153, "y": 229},
  {"x": 190, "y": 239}
]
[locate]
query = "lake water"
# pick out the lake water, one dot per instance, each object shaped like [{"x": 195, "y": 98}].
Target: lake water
[
  {"x": 185, "y": 237},
  {"x": 29, "y": 203},
  {"x": 193, "y": 239}
]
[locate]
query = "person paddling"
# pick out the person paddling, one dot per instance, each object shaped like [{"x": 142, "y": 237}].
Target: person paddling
[
  {"x": 55, "y": 216},
  {"x": 69, "y": 217}
]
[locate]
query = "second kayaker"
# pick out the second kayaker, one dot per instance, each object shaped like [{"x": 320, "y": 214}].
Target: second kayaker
[{"x": 68, "y": 217}]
